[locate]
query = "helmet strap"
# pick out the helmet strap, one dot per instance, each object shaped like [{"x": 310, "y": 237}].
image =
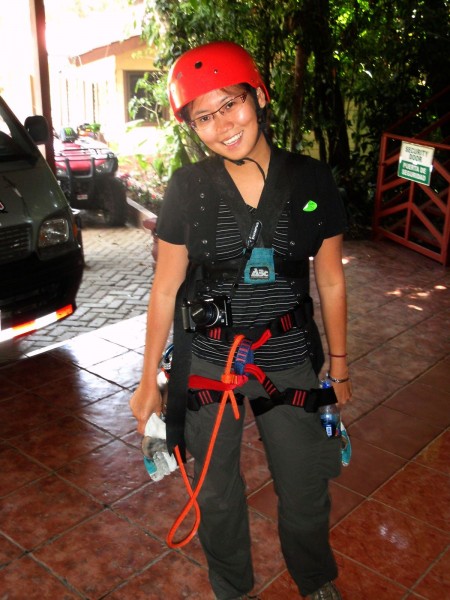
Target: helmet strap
[{"x": 241, "y": 162}]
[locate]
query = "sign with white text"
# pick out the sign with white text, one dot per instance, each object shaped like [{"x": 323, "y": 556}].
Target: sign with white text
[{"x": 415, "y": 163}]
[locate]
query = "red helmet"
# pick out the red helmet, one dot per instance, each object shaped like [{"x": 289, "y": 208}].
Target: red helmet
[{"x": 210, "y": 67}]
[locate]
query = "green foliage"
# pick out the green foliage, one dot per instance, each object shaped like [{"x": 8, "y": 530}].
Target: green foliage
[{"x": 338, "y": 71}]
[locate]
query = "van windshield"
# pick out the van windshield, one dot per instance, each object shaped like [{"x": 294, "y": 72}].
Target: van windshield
[{"x": 15, "y": 144}]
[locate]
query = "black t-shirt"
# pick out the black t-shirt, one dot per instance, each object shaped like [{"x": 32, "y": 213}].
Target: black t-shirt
[{"x": 254, "y": 305}]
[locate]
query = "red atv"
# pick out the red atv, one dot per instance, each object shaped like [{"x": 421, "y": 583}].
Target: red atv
[{"x": 86, "y": 170}]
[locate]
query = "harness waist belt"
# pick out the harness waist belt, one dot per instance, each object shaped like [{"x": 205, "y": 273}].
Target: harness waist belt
[
  {"x": 309, "y": 400},
  {"x": 299, "y": 317}
]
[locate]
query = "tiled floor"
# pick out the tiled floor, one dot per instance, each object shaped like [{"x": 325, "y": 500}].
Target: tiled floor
[{"x": 79, "y": 517}]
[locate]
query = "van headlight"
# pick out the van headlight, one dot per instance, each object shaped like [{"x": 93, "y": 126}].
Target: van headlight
[{"x": 53, "y": 232}]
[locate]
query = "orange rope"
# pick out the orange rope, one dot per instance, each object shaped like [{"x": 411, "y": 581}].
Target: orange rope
[{"x": 193, "y": 494}]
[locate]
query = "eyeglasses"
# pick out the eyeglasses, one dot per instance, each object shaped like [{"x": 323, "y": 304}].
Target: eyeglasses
[{"x": 231, "y": 106}]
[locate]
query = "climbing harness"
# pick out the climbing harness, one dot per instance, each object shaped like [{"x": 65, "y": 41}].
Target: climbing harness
[
  {"x": 227, "y": 395},
  {"x": 203, "y": 391}
]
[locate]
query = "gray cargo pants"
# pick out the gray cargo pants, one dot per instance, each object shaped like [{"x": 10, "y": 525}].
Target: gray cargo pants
[{"x": 301, "y": 460}]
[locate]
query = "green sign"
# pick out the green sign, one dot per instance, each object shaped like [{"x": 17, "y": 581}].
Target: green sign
[
  {"x": 417, "y": 173},
  {"x": 416, "y": 162}
]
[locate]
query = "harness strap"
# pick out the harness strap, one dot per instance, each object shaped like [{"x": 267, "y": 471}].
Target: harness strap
[
  {"x": 198, "y": 398},
  {"x": 199, "y": 382},
  {"x": 309, "y": 400},
  {"x": 298, "y": 317}
]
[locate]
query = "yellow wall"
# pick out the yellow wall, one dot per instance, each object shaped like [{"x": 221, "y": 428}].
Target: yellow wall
[{"x": 74, "y": 85}]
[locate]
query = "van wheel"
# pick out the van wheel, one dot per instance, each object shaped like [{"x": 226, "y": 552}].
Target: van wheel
[{"x": 113, "y": 201}]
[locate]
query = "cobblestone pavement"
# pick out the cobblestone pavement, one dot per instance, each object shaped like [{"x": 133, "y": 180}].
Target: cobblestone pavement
[{"x": 115, "y": 286}]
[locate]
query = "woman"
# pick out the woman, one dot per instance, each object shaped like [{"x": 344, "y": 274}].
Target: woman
[{"x": 235, "y": 235}]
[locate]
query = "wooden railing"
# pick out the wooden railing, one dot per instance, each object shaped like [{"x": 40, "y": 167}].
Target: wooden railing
[{"x": 410, "y": 213}]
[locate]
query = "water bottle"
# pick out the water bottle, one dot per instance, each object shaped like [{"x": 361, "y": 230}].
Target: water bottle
[{"x": 330, "y": 417}]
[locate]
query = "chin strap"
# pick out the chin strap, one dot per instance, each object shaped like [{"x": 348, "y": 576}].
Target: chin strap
[{"x": 241, "y": 162}]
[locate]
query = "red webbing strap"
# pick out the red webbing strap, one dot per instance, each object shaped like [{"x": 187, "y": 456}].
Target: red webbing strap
[
  {"x": 197, "y": 382},
  {"x": 262, "y": 340},
  {"x": 193, "y": 494},
  {"x": 259, "y": 374}
]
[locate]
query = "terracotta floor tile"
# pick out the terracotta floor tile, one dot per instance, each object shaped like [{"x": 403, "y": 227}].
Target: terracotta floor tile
[
  {"x": 282, "y": 588},
  {"x": 193, "y": 550},
  {"x": 109, "y": 472},
  {"x": 62, "y": 441},
  {"x": 394, "y": 431},
  {"x": 357, "y": 346},
  {"x": 17, "y": 470},
  {"x": 124, "y": 370},
  {"x": 265, "y": 501},
  {"x": 251, "y": 437},
  {"x": 429, "y": 296},
  {"x": 87, "y": 350},
  {"x": 100, "y": 554},
  {"x": 417, "y": 491},
  {"x": 8, "y": 552},
  {"x": 134, "y": 438},
  {"x": 343, "y": 501},
  {"x": 25, "y": 578},
  {"x": 156, "y": 507},
  {"x": 31, "y": 372},
  {"x": 366, "y": 298},
  {"x": 359, "y": 406},
  {"x": 436, "y": 454},
  {"x": 420, "y": 340},
  {"x": 112, "y": 414},
  {"x": 437, "y": 376},
  {"x": 402, "y": 366},
  {"x": 8, "y": 389},
  {"x": 362, "y": 326},
  {"x": 370, "y": 386},
  {"x": 405, "y": 314},
  {"x": 39, "y": 511},
  {"x": 76, "y": 390},
  {"x": 369, "y": 468},
  {"x": 266, "y": 550},
  {"x": 436, "y": 583},
  {"x": 388, "y": 542},
  {"x": 355, "y": 582},
  {"x": 414, "y": 400},
  {"x": 25, "y": 412},
  {"x": 173, "y": 576}
]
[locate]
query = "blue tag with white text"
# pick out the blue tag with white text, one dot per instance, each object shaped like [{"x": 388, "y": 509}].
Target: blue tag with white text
[{"x": 260, "y": 267}]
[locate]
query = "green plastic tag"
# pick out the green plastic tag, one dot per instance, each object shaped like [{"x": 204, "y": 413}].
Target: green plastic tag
[{"x": 310, "y": 206}]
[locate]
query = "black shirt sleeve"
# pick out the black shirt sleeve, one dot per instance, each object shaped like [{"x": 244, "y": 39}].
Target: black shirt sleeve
[{"x": 171, "y": 222}]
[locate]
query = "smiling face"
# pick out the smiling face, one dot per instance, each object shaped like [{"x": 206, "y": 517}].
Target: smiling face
[{"x": 234, "y": 134}]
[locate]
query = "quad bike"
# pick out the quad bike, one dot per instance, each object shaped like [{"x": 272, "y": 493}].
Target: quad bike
[{"x": 86, "y": 170}]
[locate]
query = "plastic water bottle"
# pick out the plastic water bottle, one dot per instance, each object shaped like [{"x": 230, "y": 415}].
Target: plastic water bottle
[{"x": 330, "y": 417}]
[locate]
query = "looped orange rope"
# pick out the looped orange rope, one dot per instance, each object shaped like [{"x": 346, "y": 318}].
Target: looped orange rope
[{"x": 193, "y": 494}]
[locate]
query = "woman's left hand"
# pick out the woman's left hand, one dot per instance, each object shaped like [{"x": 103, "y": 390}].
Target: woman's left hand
[{"x": 343, "y": 392}]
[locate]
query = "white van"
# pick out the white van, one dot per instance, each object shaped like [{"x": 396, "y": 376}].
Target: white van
[{"x": 41, "y": 256}]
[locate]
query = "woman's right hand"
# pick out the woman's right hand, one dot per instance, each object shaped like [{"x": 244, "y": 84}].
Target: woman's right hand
[{"x": 143, "y": 403}]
